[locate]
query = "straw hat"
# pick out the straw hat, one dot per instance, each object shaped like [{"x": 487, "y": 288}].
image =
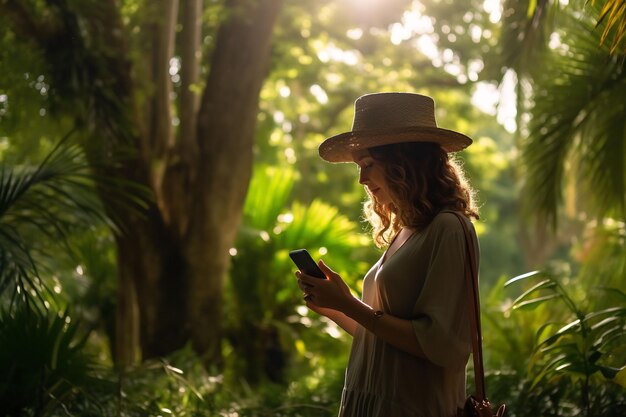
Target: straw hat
[{"x": 386, "y": 118}]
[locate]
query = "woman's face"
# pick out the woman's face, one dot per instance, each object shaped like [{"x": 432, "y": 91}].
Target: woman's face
[{"x": 372, "y": 176}]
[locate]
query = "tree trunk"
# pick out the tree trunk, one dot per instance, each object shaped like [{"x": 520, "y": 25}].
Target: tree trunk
[
  {"x": 179, "y": 257},
  {"x": 203, "y": 189},
  {"x": 173, "y": 258},
  {"x": 151, "y": 259},
  {"x": 226, "y": 126}
]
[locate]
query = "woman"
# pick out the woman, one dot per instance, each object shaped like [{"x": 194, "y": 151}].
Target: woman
[{"x": 410, "y": 330}]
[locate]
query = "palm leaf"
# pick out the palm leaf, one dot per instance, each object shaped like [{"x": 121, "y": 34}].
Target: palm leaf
[
  {"x": 268, "y": 193},
  {"x": 262, "y": 287},
  {"x": 39, "y": 208},
  {"x": 42, "y": 360},
  {"x": 577, "y": 128},
  {"x": 522, "y": 277},
  {"x": 535, "y": 302},
  {"x": 605, "y": 263},
  {"x": 613, "y": 15},
  {"x": 525, "y": 32}
]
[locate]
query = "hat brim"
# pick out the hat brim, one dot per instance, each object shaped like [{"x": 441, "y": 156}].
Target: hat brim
[{"x": 339, "y": 148}]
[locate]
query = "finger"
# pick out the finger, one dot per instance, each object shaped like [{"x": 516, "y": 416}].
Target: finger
[
  {"x": 325, "y": 268},
  {"x": 308, "y": 301},
  {"x": 308, "y": 279},
  {"x": 304, "y": 286},
  {"x": 301, "y": 283},
  {"x": 302, "y": 277}
]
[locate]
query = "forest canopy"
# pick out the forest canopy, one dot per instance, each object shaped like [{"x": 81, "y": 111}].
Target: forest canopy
[{"x": 159, "y": 160}]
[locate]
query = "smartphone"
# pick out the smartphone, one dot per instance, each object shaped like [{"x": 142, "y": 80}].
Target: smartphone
[{"x": 305, "y": 263}]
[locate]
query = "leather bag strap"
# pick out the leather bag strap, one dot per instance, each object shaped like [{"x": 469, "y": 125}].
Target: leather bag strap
[{"x": 471, "y": 279}]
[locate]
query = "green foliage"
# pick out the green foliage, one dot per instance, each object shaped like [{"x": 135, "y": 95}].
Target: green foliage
[
  {"x": 180, "y": 385},
  {"x": 613, "y": 14},
  {"x": 263, "y": 295},
  {"x": 43, "y": 363},
  {"x": 576, "y": 129},
  {"x": 280, "y": 359},
  {"x": 489, "y": 166},
  {"x": 525, "y": 31},
  {"x": 86, "y": 282},
  {"x": 601, "y": 253},
  {"x": 577, "y": 353},
  {"x": 42, "y": 204}
]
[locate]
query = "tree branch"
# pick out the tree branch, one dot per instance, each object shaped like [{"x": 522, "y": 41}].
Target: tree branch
[
  {"x": 189, "y": 75},
  {"x": 161, "y": 29}
]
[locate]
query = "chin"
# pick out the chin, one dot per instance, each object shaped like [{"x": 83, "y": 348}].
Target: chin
[{"x": 382, "y": 203}]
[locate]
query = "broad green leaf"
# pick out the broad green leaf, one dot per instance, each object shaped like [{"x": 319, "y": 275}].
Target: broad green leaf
[
  {"x": 545, "y": 284},
  {"x": 560, "y": 333},
  {"x": 594, "y": 356},
  {"x": 609, "y": 372},
  {"x": 522, "y": 277},
  {"x": 568, "y": 348},
  {"x": 544, "y": 328},
  {"x": 605, "y": 322},
  {"x": 609, "y": 336},
  {"x": 548, "y": 368},
  {"x": 620, "y": 377},
  {"x": 535, "y": 302},
  {"x": 615, "y": 291},
  {"x": 268, "y": 193},
  {"x": 621, "y": 311}
]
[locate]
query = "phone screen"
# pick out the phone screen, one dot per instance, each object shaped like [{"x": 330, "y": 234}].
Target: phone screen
[{"x": 305, "y": 263}]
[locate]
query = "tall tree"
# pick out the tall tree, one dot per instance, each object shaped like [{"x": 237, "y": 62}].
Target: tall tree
[{"x": 189, "y": 135}]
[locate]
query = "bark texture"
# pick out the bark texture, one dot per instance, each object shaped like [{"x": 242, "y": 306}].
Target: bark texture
[
  {"x": 180, "y": 258},
  {"x": 173, "y": 257}
]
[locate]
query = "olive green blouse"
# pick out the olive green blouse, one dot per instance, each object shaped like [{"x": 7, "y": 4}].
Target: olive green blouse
[{"x": 423, "y": 281}]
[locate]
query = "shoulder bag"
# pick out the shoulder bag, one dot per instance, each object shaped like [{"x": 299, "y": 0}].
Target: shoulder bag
[{"x": 475, "y": 405}]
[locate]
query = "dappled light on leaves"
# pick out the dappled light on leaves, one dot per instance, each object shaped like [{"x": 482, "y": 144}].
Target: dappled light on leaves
[{"x": 534, "y": 84}]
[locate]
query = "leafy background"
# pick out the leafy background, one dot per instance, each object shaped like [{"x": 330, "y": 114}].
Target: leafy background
[{"x": 550, "y": 176}]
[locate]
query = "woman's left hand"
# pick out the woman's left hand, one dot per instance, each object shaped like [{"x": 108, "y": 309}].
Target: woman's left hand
[{"x": 330, "y": 293}]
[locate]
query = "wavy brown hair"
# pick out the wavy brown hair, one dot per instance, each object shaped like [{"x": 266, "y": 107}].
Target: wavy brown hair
[{"x": 422, "y": 180}]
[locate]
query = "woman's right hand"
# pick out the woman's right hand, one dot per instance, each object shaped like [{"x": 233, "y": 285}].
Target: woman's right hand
[
  {"x": 305, "y": 287},
  {"x": 337, "y": 316},
  {"x": 323, "y": 311},
  {"x": 330, "y": 293}
]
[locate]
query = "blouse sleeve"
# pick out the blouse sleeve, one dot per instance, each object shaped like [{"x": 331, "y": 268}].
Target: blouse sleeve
[{"x": 441, "y": 321}]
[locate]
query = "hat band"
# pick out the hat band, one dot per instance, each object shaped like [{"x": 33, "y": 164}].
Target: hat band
[{"x": 392, "y": 117}]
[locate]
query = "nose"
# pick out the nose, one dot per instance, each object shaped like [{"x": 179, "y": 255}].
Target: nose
[{"x": 362, "y": 177}]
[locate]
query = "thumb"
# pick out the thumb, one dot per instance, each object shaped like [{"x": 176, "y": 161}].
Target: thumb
[
  {"x": 334, "y": 277},
  {"x": 326, "y": 270}
]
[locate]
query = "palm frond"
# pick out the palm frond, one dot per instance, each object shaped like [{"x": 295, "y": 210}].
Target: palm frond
[
  {"x": 526, "y": 27},
  {"x": 39, "y": 207},
  {"x": 577, "y": 129},
  {"x": 268, "y": 193},
  {"x": 602, "y": 154},
  {"x": 42, "y": 360},
  {"x": 613, "y": 16},
  {"x": 604, "y": 263}
]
